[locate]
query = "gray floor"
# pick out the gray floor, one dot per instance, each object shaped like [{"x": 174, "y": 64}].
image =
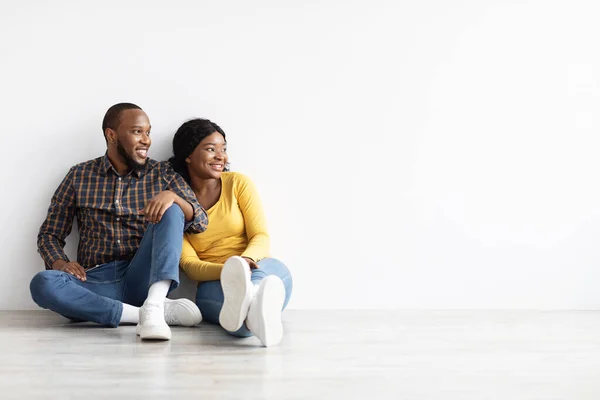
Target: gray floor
[{"x": 324, "y": 355}]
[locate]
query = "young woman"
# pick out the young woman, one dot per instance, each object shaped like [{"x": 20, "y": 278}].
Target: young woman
[{"x": 240, "y": 286}]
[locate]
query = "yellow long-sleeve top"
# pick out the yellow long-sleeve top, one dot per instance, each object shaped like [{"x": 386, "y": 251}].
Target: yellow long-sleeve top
[{"x": 236, "y": 227}]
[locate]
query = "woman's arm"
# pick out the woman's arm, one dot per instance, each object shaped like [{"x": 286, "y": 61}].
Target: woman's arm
[{"x": 195, "y": 268}]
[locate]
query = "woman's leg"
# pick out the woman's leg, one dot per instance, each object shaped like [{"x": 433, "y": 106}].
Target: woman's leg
[
  {"x": 272, "y": 266},
  {"x": 273, "y": 282},
  {"x": 262, "y": 318},
  {"x": 209, "y": 299}
]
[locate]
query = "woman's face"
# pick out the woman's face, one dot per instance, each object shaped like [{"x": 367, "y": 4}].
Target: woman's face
[{"x": 209, "y": 158}]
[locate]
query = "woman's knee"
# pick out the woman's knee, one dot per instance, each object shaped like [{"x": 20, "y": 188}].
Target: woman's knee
[{"x": 273, "y": 266}]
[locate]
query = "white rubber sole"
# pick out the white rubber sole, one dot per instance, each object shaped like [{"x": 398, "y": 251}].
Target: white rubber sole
[
  {"x": 153, "y": 332},
  {"x": 237, "y": 293},
  {"x": 264, "y": 316}
]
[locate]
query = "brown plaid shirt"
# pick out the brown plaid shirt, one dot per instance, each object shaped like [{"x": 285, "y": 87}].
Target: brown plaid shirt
[{"x": 106, "y": 206}]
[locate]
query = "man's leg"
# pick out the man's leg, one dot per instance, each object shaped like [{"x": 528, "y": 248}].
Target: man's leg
[
  {"x": 94, "y": 300},
  {"x": 153, "y": 273}
]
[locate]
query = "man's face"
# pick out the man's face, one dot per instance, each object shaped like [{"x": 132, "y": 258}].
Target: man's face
[{"x": 132, "y": 137}]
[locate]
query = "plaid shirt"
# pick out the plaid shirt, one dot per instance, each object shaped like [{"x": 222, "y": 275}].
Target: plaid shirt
[{"x": 106, "y": 206}]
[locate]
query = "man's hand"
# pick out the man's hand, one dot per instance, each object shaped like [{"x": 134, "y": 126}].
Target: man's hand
[
  {"x": 251, "y": 263},
  {"x": 72, "y": 268},
  {"x": 158, "y": 205}
]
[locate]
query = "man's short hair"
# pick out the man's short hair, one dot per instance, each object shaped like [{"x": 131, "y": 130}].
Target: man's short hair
[{"x": 111, "y": 118}]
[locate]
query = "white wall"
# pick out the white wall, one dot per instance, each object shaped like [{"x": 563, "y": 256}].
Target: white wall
[{"x": 426, "y": 154}]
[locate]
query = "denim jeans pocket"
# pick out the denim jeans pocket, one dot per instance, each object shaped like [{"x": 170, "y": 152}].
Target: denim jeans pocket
[{"x": 103, "y": 273}]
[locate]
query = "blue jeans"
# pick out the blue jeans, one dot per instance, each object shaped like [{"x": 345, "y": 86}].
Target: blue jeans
[
  {"x": 209, "y": 296},
  {"x": 100, "y": 298}
]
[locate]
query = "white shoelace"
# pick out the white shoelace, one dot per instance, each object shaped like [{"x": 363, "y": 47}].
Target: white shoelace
[{"x": 151, "y": 311}]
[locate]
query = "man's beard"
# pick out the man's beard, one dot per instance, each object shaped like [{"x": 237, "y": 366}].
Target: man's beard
[{"x": 131, "y": 163}]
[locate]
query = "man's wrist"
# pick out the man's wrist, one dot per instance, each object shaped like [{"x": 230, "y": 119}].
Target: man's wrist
[
  {"x": 184, "y": 204},
  {"x": 58, "y": 264},
  {"x": 176, "y": 198}
]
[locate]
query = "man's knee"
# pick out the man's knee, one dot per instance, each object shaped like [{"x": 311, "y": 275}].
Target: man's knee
[
  {"x": 43, "y": 286},
  {"x": 174, "y": 213}
]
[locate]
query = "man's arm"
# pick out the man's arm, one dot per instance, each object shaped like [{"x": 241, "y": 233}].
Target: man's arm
[
  {"x": 198, "y": 220},
  {"x": 177, "y": 192},
  {"x": 188, "y": 210},
  {"x": 58, "y": 224}
]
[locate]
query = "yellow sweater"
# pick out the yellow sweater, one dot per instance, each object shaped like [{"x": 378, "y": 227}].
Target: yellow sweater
[{"x": 236, "y": 227}]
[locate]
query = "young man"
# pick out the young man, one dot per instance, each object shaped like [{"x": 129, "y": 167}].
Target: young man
[{"x": 131, "y": 213}]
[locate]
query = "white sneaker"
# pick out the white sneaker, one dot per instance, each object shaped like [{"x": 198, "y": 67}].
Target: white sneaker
[
  {"x": 182, "y": 312},
  {"x": 152, "y": 323},
  {"x": 237, "y": 293},
  {"x": 264, "y": 315}
]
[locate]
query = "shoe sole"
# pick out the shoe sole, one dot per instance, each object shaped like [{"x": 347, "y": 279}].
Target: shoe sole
[
  {"x": 268, "y": 304},
  {"x": 153, "y": 332},
  {"x": 237, "y": 293},
  {"x": 193, "y": 316}
]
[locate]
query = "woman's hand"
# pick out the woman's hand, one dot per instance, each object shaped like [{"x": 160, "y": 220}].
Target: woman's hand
[{"x": 251, "y": 263}]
